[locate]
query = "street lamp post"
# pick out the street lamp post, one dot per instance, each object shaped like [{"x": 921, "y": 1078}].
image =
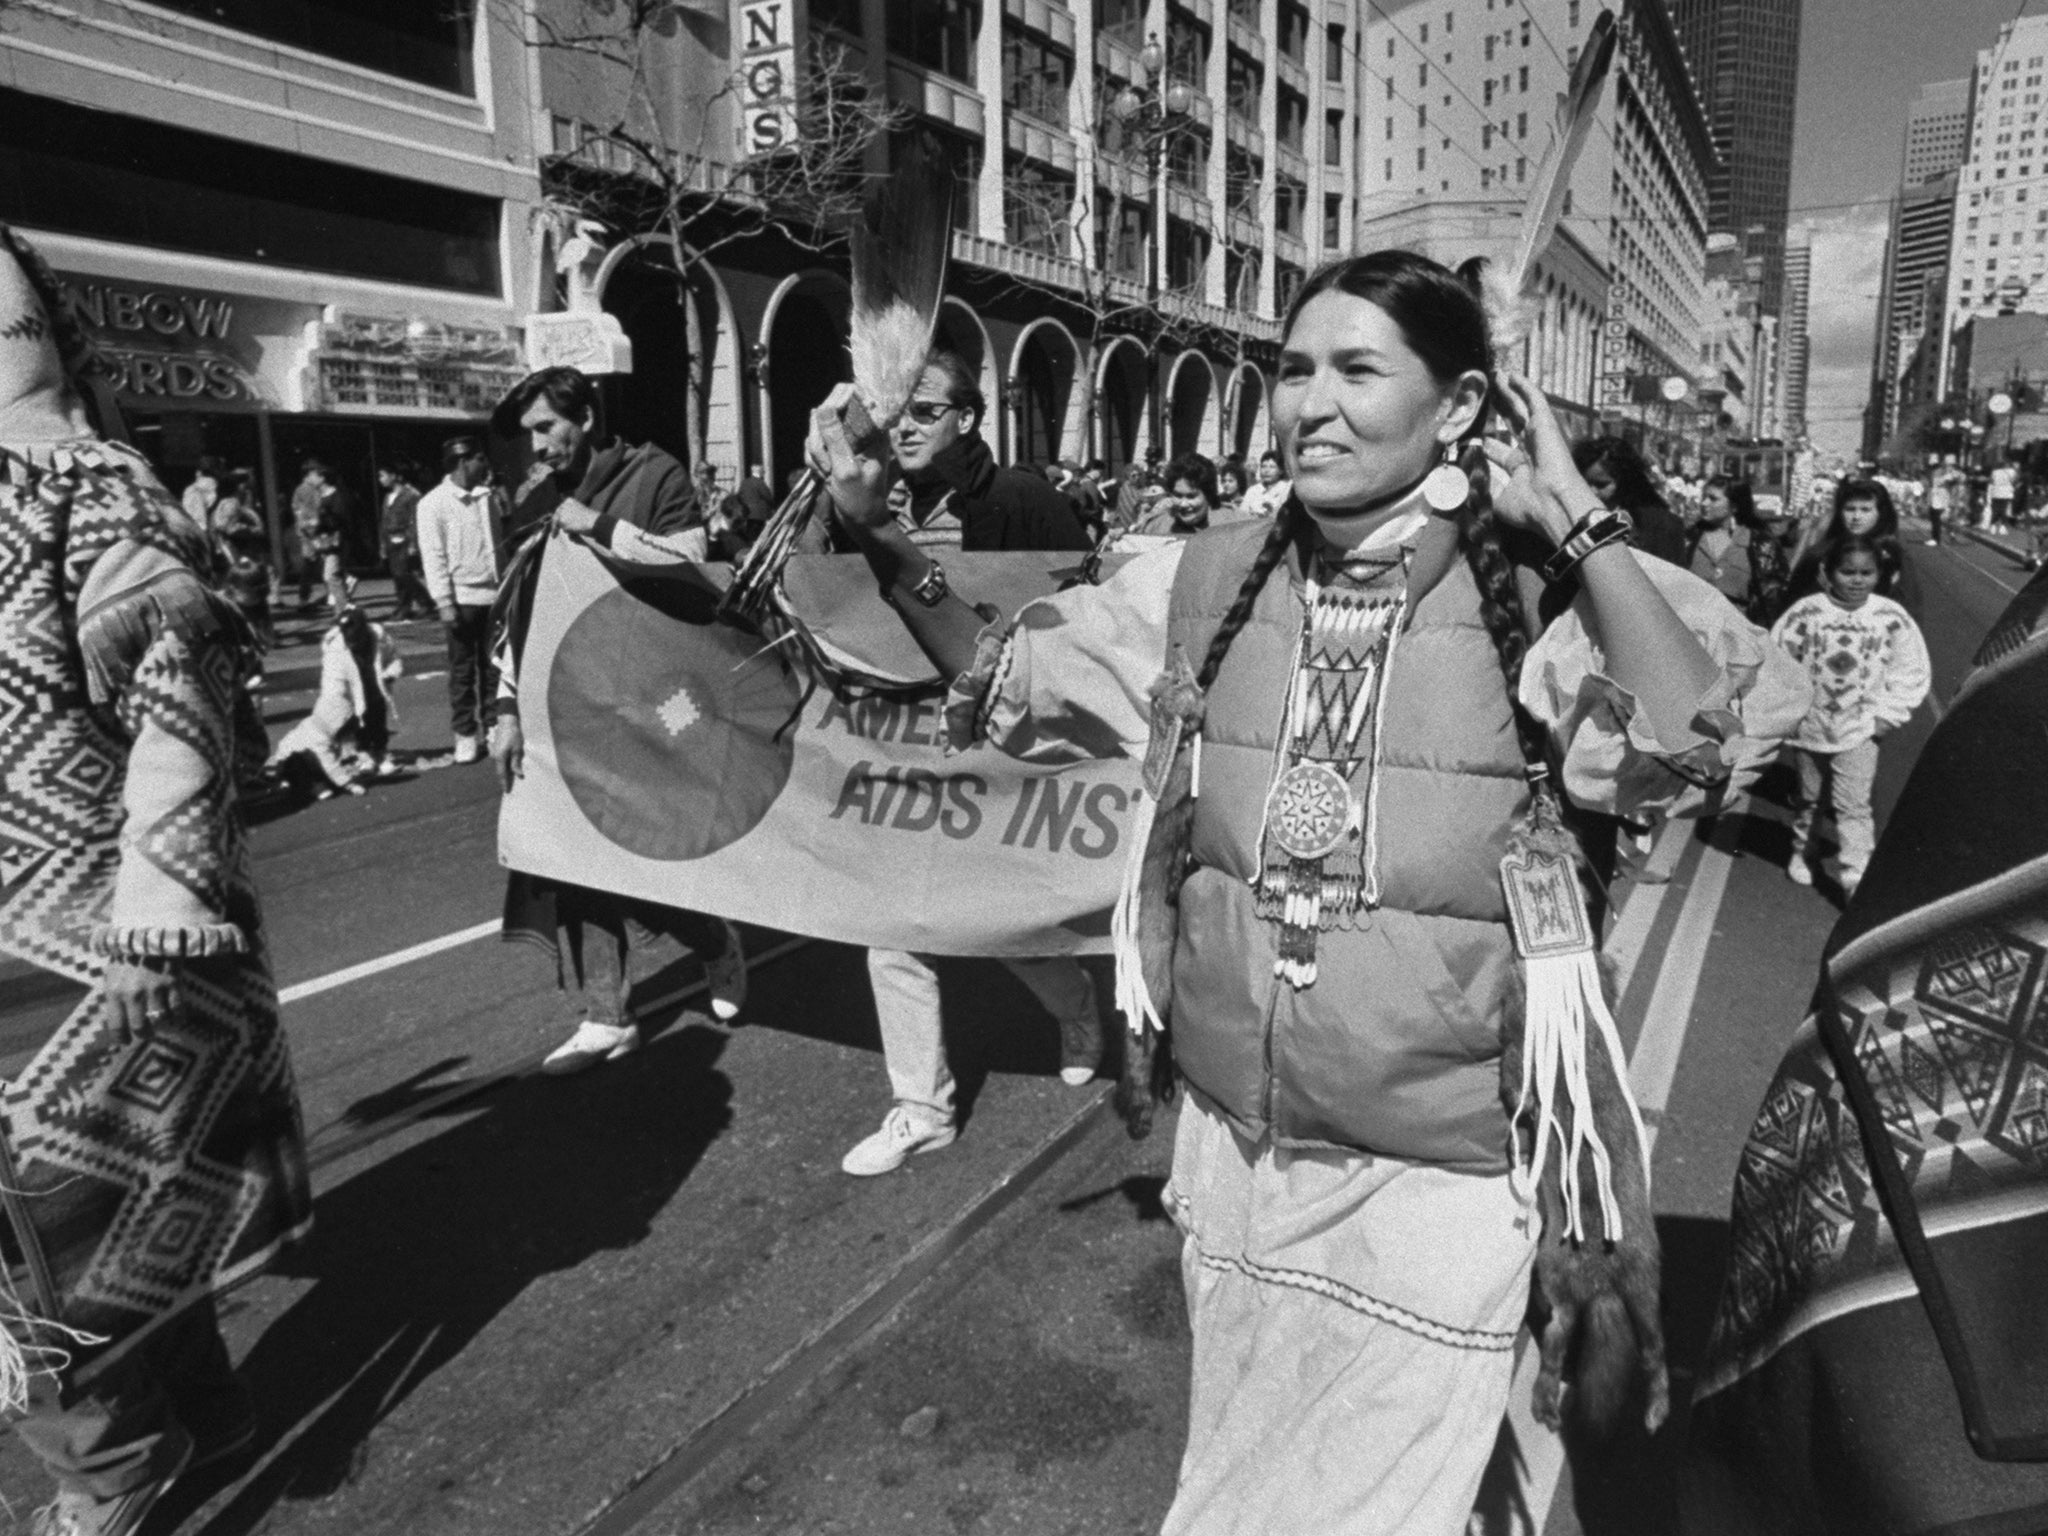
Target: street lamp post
[{"x": 1145, "y": 108}]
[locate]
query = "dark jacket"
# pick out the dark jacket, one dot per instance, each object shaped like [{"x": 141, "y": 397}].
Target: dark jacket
[
  {"x": 999, "y": 509},
  {"x": 644, "y": 486},
  {"x": 1661, "y": 532}
]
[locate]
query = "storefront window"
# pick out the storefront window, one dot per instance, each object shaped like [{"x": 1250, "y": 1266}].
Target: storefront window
[
  {"x": 424, "y": 40},
  {"x": 100, "y": 174}
]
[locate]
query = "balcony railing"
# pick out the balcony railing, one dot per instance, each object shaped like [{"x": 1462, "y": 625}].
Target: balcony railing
[
  {"x": 1245, "y": 230},
  {"x": 1202, "y": 312},
  {"x": 1244, "y": 37},
  {"x": 1245, "y": 135},
  {"x": 1190, "y": 206},
  {"x": 936, "y": 96},
  {"x": 1126, "y": 178},
  {"x": 1045, "y": 17},
  {"x": 1203, "y": 11},
  {"x": 1039, "y": 141},
  {"x": 1291, "y": 163},
  {"x": 1015, "y": 261},
  {"x": 1290, "y": 248},
  {"x": 1292, "y": 73}
]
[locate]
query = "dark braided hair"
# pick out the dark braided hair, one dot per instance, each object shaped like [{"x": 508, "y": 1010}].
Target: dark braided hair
[{"x": 1443, "y": 320}]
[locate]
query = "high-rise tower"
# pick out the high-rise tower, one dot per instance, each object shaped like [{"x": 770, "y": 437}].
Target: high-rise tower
[
  {"x": 1745, "y": 58},
  {"x": 1916, "y": 249},
  {"x": 1795, "y": 356}
]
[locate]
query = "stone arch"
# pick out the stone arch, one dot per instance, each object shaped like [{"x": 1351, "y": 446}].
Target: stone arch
[
  {"x": 1250, "y": 425},
  {"x": 636, "y": 282},
  {"x": 1122, "y": 386},
  {"x": 1046, "y": 376},
  {"x": 803, "y": 352},
  {"x": 1193, "y": 411},
  {"x": 960, "y": 330}
]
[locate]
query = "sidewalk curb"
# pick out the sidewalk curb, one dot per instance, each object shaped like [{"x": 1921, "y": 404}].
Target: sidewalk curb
[{"x": 1990, "y": 541}]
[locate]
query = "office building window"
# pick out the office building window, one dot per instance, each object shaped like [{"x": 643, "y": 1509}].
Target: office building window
[
  {"x": 112, "y": 177},
  {"x": 1036, "y": 77},
  {"x": 939, "y": 34},
  {"x": 431, "y": 44}
]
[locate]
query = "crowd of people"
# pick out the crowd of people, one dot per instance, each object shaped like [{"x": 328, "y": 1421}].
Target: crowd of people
[{"x": 1333, "y": 897}]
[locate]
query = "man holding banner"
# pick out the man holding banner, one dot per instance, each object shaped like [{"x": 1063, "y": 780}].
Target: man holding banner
[
  {"x": 637, "y": 503},
  {"x": 959, "y": 499}
]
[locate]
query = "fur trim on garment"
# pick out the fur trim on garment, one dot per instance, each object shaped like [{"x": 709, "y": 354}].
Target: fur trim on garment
[{"x": 1601, "y": 1331}]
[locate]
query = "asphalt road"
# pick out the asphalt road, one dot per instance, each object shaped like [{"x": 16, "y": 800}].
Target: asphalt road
[{"x": 645, "y": 1300}]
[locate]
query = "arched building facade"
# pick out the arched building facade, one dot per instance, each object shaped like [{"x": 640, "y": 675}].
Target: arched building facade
[{"x": 729, "y": 360}]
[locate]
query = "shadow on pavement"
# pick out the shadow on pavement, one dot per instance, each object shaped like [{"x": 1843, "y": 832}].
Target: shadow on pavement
[
  {"x": 990, "y": 1020},
  {"x": 415, "y": 1256}
]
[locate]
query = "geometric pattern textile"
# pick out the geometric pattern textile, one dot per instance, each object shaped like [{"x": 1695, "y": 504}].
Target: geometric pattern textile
[
  {"x": 142, "y": 1172},
  {"x": 1952, "y": 1039}
]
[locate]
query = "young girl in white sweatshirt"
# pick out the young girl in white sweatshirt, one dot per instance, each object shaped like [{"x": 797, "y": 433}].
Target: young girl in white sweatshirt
[{"x": 1868, "y": 665}]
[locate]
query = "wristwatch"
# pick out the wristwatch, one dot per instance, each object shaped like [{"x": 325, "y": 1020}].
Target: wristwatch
[{"x": 931, "y": 589}]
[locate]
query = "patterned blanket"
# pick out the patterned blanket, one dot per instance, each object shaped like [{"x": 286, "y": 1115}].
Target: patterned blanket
[
  {"x": 1879, "y": 1361},
  {"x": 136, "y": 1174}
]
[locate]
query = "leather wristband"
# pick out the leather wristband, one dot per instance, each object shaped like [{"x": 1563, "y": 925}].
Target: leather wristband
[{"x": 1596, "y": 530}]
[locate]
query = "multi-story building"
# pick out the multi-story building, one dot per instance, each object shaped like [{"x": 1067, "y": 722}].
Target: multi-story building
[
  {"x": 1745, "y": 57},
  {"x": 1728, "y": 352},
  {"x": 1998, "y": 249},
  {"x": 1910, "y": 299},
  {"x": 1661, "y": 160},
  {"x": 295, "y": 231},
  {"x": 1937, "y": 131},
  {"x": 1794, "y": 348},
  {"x": 1455, "y": 116},
  {"x": 1143, "y": 185}
]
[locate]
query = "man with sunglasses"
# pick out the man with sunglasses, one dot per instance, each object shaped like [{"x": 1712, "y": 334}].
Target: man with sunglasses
[{"x": 958, "y": 498}]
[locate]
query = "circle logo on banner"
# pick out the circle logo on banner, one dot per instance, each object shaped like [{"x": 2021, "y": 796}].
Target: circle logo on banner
[{"x": 666, "y": 732}]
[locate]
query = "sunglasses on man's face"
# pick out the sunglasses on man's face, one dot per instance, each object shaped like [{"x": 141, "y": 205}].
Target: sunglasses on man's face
[{"x": 928, "y": 413}]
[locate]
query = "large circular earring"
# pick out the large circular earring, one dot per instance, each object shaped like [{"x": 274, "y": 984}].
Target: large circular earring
[{"x": 1447, "y": 488}]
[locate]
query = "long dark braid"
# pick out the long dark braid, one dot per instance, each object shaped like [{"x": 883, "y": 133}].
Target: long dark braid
[
  {"x": 1500, "y": 596},
  {"x": 1287, "y": 525}
]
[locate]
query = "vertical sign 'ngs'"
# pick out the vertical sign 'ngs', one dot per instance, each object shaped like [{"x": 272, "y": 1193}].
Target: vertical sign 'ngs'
[{"x": 767, "y": 75}]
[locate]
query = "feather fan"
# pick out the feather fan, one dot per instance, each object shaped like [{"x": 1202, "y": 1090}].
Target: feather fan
[
  {"x": 1570, "y": 127},
  {"x": 898, "y": 252}
]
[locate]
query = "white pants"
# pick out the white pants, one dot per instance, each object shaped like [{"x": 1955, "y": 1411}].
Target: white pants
[
  {"x": 913, "y": 1044},
  {"x": 1847, "y": 777}
]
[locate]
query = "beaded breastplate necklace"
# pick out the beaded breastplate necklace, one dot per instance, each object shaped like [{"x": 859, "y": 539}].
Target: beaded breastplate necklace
[{"x": 1319, "y": 841}]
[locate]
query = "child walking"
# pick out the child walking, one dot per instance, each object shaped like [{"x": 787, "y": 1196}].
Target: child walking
[{"x": 1868, "y": 665}]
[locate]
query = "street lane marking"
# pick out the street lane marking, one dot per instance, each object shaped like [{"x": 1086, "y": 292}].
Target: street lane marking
[
  {"x": 1970, "y": 565},
  {"x": 1639, "y": 913},
  {"x": 392, "y": 961}
]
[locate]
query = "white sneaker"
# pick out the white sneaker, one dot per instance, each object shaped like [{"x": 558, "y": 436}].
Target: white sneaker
[
  {"x": 726, "y": 978},
  {"x": 1799, "y": 872},
  {"x": 902, "y": 1133},
  {"x": 468, "y": 749},
  {"x": 593, "y": 1042}
]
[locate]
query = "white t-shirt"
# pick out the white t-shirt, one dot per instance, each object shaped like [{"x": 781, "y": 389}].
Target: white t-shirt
[{"x": 2001, "y": 484}]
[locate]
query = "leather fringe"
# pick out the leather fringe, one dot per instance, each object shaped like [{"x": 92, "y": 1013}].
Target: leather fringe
[{"x": 1148, "y": 921}]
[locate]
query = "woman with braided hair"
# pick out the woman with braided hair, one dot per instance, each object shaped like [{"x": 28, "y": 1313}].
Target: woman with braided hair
[{"x": 1353, "y": 785}]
